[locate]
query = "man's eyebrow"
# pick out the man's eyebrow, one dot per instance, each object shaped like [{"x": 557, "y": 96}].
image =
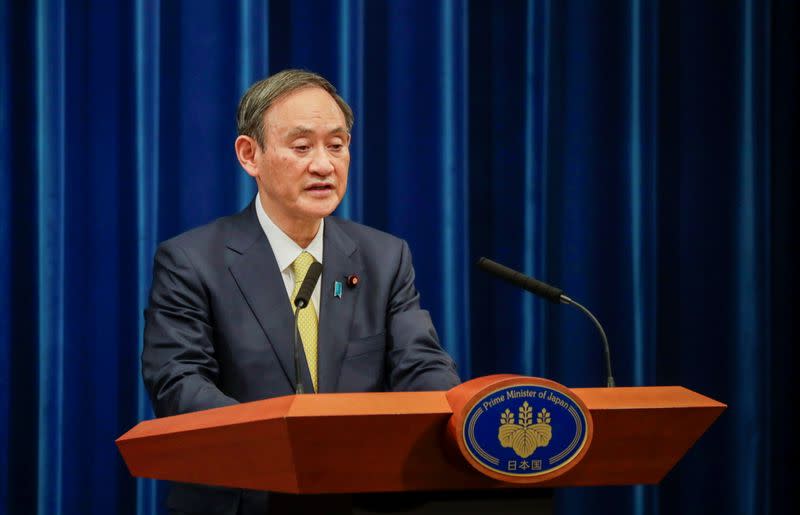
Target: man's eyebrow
[
  {"x": 304, "y": 131},
  {"x": 299, "y": 131}
]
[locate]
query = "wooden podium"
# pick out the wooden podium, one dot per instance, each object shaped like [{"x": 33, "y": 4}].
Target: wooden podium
[{"x": 399, "y": 442}]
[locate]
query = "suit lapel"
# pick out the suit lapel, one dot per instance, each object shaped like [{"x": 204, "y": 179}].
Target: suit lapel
[
  {"x": 340, "y": 259},
  {"x": 256, "y": 273}
]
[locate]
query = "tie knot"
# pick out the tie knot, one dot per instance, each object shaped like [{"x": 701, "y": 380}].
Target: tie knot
[{"x": 301, "y": 265}]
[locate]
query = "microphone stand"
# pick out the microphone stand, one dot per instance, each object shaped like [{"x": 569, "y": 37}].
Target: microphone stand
[
  {"x": 551, "y": 293},
  {"x": 298, "y": 386},
  {"x": 609, "y": 377}
]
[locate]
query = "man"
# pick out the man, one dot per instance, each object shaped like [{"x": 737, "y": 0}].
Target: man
[{"x": 219, "y": 325}]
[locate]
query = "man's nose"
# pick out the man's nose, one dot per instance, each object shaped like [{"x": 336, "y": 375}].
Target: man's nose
[{"x": 321, "y": 163}]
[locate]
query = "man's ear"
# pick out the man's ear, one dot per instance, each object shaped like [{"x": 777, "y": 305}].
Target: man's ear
[{"x": 246, "y": 148}]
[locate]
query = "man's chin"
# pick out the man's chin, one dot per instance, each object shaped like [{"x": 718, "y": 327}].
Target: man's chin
[{"x": 319, "y": 210}]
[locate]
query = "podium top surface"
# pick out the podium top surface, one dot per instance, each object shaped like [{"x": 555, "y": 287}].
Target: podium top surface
[{"x": 395, "y": 441}]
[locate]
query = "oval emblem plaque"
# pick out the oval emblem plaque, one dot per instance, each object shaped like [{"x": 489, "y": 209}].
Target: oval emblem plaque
[{"x": 525, "y": 429}]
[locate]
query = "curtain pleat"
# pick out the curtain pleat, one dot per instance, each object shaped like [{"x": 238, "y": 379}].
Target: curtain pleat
[
  {"x": 254, "y": 65},
  {"x": 350, "y": 84},
  {"x": 751, "y": 287},
  {"x": 147, "y": 110},
  {"x": 5, "y": 258},
  {"x": 637, "y": 154},
  {"x": 454, "y": 266},
  {"x": 50, "y": 278}
]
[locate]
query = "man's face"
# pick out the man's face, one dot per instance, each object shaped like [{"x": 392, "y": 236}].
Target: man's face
[{"x": 302, "y": 171}]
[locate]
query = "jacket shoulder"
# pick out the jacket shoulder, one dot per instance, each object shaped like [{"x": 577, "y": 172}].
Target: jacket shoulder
[{"x": 207, "y": 236}]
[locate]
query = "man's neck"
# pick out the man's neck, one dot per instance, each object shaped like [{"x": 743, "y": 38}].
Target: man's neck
[
  {"x": 302, "y": 234},
  {"x": 301, "y": 231}
]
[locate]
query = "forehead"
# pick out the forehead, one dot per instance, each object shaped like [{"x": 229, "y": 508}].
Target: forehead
[{"x": 308, "y": 107}]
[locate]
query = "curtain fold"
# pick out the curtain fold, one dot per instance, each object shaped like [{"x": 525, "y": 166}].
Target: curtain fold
[
  {"x": 51, "y": 281},
  {"x": 639, "y": 155},
  {"x": 5, "y": 258}
]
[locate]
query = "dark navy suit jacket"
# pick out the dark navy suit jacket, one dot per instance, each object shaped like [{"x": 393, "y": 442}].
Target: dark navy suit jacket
[{"x": 218, "y": 328}]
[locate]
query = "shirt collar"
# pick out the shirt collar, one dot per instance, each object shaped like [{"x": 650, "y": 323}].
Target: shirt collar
[{"x": 285, "y": 248}]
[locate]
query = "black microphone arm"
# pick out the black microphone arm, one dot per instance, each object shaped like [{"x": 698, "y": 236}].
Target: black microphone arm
[
  {"x": 301, "y": 300},
  {"x": 550, "y": 293},
  {"x": 307, "y": 287}
]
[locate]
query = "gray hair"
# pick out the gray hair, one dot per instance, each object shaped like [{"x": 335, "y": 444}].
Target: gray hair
[{"x": 264, "y": 93}]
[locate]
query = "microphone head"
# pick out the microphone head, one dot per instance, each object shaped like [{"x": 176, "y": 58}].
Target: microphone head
[
  {"x": 307, "y": 287},
  {"x": 521, "y": 280}
]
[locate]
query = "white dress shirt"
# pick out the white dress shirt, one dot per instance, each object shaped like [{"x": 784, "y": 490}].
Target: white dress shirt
[{"x": 286, "y": 251}]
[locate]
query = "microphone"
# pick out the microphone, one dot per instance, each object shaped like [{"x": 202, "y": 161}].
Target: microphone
[
  {"x": 301, "y": 301},
  {"x": 550, "y": 293},
  {"x": 307, "y": 288},
  {"x": 541, "y": 289}
]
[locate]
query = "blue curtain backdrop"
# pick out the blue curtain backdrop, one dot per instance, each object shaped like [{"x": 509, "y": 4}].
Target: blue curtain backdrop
[{"x": 637, "y": 153}]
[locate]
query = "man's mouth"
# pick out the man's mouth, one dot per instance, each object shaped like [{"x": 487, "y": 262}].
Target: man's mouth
[{"x": 320, "y": 187}]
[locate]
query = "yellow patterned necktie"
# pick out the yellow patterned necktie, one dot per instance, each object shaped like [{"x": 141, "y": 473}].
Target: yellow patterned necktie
[{"x": 307, "y": 317}]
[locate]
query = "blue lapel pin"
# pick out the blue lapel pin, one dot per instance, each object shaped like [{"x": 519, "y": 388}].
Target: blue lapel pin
[{"x": 337, "y": 289}]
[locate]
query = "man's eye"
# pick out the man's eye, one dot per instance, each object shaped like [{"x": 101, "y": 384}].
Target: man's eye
[
  {"x": 336, "y": 147},
  {"x": 302, "y": 148}
]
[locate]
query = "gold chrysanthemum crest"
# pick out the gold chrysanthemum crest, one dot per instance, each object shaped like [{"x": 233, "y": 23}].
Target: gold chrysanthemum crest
[{"x": 524, "y": 437}]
